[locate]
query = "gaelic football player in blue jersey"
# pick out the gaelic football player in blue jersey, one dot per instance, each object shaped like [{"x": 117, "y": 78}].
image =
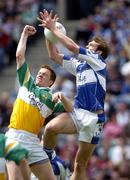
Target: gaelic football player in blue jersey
[{"x": 87, "y": 118}]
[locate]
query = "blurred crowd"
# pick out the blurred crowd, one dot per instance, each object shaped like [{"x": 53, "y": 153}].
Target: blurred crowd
[
  {"x": 111, "y": 159},
  {"x": 14, "y": 15}
]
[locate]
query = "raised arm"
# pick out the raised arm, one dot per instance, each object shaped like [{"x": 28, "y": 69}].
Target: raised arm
[
  {"x": 20, "y": 53},
  {"x": 48, "y": 21},
  {"x": 53, "y": 53}
]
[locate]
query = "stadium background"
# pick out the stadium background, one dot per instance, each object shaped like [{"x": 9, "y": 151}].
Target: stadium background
[{"x": 82, "y": 19}]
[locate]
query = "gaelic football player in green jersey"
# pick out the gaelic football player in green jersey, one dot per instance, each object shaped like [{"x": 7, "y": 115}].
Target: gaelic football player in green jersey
[
  {"x": 12, "y": 151},
  {"x": 33, "y": 104}
]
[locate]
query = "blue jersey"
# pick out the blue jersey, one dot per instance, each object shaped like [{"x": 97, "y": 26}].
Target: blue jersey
[{"x": 90, "y": 71}]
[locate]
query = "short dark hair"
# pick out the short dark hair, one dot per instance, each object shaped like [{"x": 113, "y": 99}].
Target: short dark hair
[
  {"x": 103, "y": 46},
  {"x": 53, "y": 74}
]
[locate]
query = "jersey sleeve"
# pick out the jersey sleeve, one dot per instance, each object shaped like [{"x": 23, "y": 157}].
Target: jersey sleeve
[
  {"x": 93, "y": 59},
  {"x": 69, "y": 64},
  {"x": 14, "y": 151},
  {"x": 24, "y": 76},
  {"x": 58, "y": 107}
]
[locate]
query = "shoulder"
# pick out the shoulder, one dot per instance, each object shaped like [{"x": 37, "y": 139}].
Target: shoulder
[{"x": 45, "y": 93}]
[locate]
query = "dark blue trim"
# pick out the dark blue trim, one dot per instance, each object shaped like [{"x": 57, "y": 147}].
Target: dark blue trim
[
  {"x": 95, "y": 140},
  {"x": 66, "y": 57},
  {"x": 85, "y": 51},
  {"x": 102, "y": 72},
  {"x": 82, "y": 67},
  {"x": 103, "y": 60},
  {"x": 82, "y": 50},
  {"x": 101, "y": 118}
]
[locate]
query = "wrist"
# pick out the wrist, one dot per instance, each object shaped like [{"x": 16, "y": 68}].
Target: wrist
[
  {"x": 54, "y": 30},
  {"x": 25, "y": 34}
]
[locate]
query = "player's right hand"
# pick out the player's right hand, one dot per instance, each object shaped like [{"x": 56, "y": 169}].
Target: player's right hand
[
  {"x": 47, "y": 19},
  {"x": 29, "y": 30}
]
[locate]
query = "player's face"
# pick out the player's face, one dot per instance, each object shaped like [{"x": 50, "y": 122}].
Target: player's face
[
  {"x": 92, "y": 45},
  {"x": 43, "y": 78}
]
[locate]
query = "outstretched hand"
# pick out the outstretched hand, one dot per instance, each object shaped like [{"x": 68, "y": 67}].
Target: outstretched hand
[
  {"x": 29, "y": 30},
  {"x": 47, "y": 19}
]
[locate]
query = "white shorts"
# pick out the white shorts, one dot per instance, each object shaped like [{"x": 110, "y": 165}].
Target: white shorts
[
  {"x": 31, "y": 142},
  {"x": 89, "y": 125}
]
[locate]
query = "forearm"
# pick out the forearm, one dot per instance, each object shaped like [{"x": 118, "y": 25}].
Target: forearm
[
  {"x": 50, "y": 48},
  {"x": 53, "y": 54},
  {"x": 20, "y": 53},
  {"x": 68, "y": 42}
]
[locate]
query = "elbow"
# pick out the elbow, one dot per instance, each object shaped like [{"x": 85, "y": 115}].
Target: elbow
[
  {"x": 19, "y": 57},
  {"x": 50, "y": 56}
]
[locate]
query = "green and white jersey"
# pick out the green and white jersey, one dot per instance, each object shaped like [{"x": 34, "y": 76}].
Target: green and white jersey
[
  {"x": 11, "y": 149},
  {"x": 33, "y": 104}
]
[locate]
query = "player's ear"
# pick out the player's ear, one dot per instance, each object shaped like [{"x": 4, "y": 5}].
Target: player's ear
[
  {"x": 99, "y": 52},
  {"x": 51, "y": 83}
]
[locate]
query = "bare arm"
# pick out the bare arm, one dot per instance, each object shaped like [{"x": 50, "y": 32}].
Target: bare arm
[
  {"x": 68, "y": 105},
  {"x": 53, "y": 53},
  {"x": 20, "y": 53},
  {"x": 49, "y": 22}
]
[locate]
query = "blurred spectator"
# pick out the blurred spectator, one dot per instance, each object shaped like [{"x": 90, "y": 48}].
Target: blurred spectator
[
  {"x": 122, "y": 114},
  {"x": 67, "y": 147},
  {"x": 116, "y": 152},
  {"x": 126, "y": 45},
  {"x": 125, "y": 70},
  {"x": 4, "y": 42},
  {"x": 114, "y": 80},
  {"x": 84, "y": 31},
  {"x": 112, "y": 129},
  {"x": 14, "y": 14},
  {"x": 5, "y": 111}
]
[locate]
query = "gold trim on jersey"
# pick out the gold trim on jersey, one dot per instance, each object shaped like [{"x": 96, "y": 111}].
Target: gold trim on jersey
[{"x": 9, "y": 146}]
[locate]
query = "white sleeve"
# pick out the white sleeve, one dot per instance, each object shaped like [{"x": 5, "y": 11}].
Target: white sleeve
[{"x": 70, "y": 64}]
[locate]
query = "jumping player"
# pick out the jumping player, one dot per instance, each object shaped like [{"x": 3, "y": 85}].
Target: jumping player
[
  {"x": 33, "y": 104},
  {"x": 87, "y": 119}
]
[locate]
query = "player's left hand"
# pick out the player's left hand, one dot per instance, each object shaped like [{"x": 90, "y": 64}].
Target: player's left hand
[{"x": 57, "y": 96}]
